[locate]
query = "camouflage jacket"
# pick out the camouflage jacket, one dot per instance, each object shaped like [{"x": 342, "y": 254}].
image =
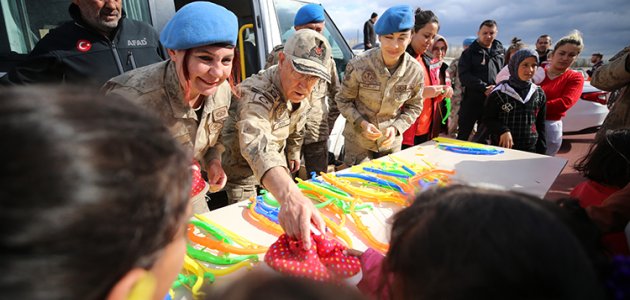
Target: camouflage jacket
[
  {"x": 262, "y": 125},
  {"x": 324, "y": 112},
  {"x": 156, "y": 88},
  {"x": 610, "y": 77},
  {"x": 369, "y": 92}
]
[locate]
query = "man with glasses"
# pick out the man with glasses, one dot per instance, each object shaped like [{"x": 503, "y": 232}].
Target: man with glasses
[
  {"x": 323, "y": 113},
  {"x": 266, "y": 121},
  {"x": 100, "y": 43}
]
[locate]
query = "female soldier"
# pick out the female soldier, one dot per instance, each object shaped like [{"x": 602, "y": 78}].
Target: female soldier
[
  {"x": 381, "y": 93},
  {"x": 190, "y": 92}
]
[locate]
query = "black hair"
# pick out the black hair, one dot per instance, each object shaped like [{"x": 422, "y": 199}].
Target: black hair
[
  {"x": 488, "y": 23},
  {"x": 462, "y": 242},
  {"x": 260, "y": 285},
  {"x": 374, "y": 15},
  {"x": 424, "y": 17},
  {"x": 92, "y": 187},
  {"x": 608, "y": 159},
  {"x": 601, "y": 56},
  {"x": 516, "y": 44}
]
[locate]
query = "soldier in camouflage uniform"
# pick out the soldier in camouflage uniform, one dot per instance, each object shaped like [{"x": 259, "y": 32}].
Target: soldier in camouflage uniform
[
  {"x": 268, "y": 117},
  {"x": 195, "y": 114},
  {"x": 381, "y": 93},
  {"x": 615, "y": 75},
  {"x": 322, "y": 115}
]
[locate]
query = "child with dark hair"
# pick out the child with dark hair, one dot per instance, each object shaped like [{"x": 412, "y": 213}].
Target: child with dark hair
[
  {"x": 515, "y": 110},
  {"x": 462, "y": 242},
  {"x": 93, "y": 199},
  {"x": 607, "y": 168}
]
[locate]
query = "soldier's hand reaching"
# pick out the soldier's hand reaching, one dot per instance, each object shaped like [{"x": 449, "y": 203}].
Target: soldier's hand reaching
[
  {"x": 216, "y": 175},
  {"x": 370, "y": 131},
  {"x": 390, "y": 134},
  {"x": 294, "y": 165}
]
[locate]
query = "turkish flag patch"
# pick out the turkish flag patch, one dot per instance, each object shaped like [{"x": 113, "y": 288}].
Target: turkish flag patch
[{"x": 84, "y": 45}]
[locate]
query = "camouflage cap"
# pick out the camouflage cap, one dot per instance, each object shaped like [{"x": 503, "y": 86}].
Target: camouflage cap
[{"x": 309, "y": 52}]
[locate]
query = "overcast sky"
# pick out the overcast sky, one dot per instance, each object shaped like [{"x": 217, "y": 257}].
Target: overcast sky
[{"x": 605, "y": 24}]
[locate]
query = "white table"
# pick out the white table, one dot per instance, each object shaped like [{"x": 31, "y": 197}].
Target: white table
[{"x": 514, "y": 170}]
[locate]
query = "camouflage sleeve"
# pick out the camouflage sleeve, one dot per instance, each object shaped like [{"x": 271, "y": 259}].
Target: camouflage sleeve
[
  {"x": 333, "y": 89},
  {"x": 612, "y": 75},
  {"x": 348, "y": 93},
  {"x": 294, "y": 143},
  {"x": 272, "y": 58},
  {"x": 412, "y": 107},
  {"x": 256, "y": 139}
]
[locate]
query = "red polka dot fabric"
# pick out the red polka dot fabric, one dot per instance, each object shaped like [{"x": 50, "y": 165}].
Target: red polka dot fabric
[
  {"x": 325, "y": 260},
  {"x": 198, "y": 184}
]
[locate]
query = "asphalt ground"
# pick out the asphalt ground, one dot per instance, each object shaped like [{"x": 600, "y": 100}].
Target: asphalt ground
[{"x": 574, "y": 147}]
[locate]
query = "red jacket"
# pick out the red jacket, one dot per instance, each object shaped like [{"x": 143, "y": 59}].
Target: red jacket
[
  {"x": 429, "y": 106},
  {"x": 562, "y": 93},
  {"x": 590, "y": 193}
]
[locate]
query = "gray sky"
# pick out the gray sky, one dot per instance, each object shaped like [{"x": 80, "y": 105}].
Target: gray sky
[{"x": 605, "y": 24}]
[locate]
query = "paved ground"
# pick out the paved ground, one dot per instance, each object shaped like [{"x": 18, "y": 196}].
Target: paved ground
[{"x": 574, "y": 146}]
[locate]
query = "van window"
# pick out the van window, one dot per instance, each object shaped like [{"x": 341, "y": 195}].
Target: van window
[
  {"x": 286, "y": 10},
  {"x": 27, "y": 21}
]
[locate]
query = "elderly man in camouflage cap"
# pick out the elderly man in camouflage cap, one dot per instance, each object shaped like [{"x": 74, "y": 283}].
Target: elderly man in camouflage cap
[
  {"x": 268, "y": 117},
  {"x": 322, "y": 115}
]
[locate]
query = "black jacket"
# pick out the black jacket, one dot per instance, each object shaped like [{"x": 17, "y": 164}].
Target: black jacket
[
  {"x": 478, "y": 68},
  {"x": 75, "y": 53},
  {"x": 369, "y": 36}
]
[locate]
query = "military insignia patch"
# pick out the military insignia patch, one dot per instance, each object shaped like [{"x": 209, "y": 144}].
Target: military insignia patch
[{"x": 220, "y": 113}]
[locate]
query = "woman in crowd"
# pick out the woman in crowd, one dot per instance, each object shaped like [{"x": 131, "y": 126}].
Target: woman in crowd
[
  {"x": 190, "y": 92},
  {"x": 381, "y": 92},
  {"x": 427, "y": 125},
  {"x": 562, "y": 86},
  {"x": 94, "y": 201}
]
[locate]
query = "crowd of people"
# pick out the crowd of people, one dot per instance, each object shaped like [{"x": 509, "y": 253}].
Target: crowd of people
[{"x": 97, "y": 179}]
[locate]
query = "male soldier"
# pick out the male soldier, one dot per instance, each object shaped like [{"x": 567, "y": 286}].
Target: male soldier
[
  {"x": 615, "y": 76},
  {"x": 321, "y": 117},
  {"x": 268, "y": 117},
  {"x": 98, "y": 44}
]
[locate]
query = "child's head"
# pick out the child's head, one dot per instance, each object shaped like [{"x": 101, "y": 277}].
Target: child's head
[
  {"x": 94, "y": 196},
  {"x": 523, "y": 64},
  {"x": 515, "y": 45},
  {"x": 608, "y": 160},
  {"x": 463, "y": 242},
  {"x": 260, "y": 285}
]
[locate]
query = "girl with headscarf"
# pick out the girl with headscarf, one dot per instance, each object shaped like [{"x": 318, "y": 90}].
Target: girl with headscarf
[{"x": 515, "y": 110}]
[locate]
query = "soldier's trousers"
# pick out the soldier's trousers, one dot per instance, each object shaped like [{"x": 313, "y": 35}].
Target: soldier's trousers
[
  {"x": 239, "y": 192},
  {"x": 356, "y": 154},
  {"x": 316, "y": 157}
]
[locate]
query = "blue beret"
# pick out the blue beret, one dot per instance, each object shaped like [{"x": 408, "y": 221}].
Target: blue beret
[
  {"x": 469, "y": 40},
  {"x": 200, "y": 23},
  {"x": 309, "y": 13},
  {"x": 395, "y": 19}
]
